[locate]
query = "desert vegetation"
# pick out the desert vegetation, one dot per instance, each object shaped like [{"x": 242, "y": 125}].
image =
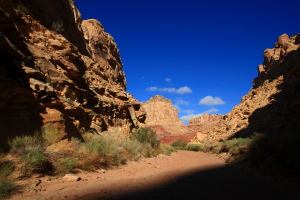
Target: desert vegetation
[
  {"x": 42, "y": 153},
  {"x": 271, "y": 153}
]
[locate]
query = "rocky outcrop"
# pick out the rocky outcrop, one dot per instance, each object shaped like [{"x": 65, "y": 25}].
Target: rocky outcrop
[
  {"x": 54, "y": 76},
  {"x": 104, "y": 51},
  {"x": 196, "y": 123},
  {"x": 272, "y": 105},
  {"x": 160, "y": 111}
]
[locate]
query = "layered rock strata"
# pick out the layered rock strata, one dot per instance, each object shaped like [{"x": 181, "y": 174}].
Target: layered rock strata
[
  {"x": 57, "y": 69},
  {"x": 161, "y": 112},
  {"x": 272, "y": 105},
  {"x": 196, "y": 123}
]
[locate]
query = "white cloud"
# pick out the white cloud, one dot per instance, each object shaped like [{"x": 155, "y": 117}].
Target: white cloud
[
  {"x": 152, "y": 89},
  {"x": 209, "y": 101},
  {"x": 181, "y": 102},
  {"x": 168, "y": 90},
  {"x": 168, "y": 80},
  {"x": 186, "y": 118},
  {"x": 182, "y": 90},
  {"x": 188, "y": 111}
]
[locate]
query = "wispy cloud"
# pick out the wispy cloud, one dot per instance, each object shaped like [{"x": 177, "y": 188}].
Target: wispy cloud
[
  {"x": 168, "y": 80},
  {"x": 186, "y": 118},
  {"x": 152, "y": 89},
  {"x": 209, "y": 101},
  {"x": 181, "y": 102},
  {"x": 181, "y": 90},
  {"x": 189, "y": 112}
]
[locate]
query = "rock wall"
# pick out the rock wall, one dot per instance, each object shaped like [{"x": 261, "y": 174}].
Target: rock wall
[
  {"x": 272, "y": 105},
  {"x": 160, "y": 111},
  {"x": 54, "y": 76},
  {"x": 196, "y": 123}
]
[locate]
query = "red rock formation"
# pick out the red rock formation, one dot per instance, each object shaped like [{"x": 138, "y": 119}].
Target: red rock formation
[
  {"x": 160, "y": 111},
  {"x": 169, "y": 139},
  {"x": 272, "y": 104},
  {"x": 48, "y": 76}
]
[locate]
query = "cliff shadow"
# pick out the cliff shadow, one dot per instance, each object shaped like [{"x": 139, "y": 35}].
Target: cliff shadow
[
  {"x": 213, "y": 183},
  {"x": 276, "y": 149}
]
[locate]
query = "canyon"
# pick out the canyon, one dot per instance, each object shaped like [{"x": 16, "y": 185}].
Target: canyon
[{"x": 59, "y": 69}]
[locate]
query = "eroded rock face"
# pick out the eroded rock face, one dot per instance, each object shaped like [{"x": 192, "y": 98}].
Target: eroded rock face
[
  {"x": 104, "y": 51},
  {"x": 272, "y": 105},
  {"x": 51, "y": 77},
  {"x": 160, "y": 111},
  {"x": 196, "y": 123}
]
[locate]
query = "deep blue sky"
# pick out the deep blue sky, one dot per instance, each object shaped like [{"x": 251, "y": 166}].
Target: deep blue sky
[{"x": 187, "y": 50}]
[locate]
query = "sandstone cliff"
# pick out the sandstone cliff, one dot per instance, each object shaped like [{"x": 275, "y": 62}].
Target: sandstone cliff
[
  {"x": 160, "y": 111},
  {"x": 57, "y": 69},
  {"x": 272, "y": 105},
  {"x": 196, "y": 123}
]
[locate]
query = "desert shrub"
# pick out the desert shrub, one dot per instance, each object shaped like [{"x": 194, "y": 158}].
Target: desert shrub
[
  {"x": 30, "y": 151},
  {"x": 192, "y": 147},
  {"x": 23, "y": 9},
  {"x": 166, "y": 149},
  {"x": 58, "y": 26},
  {"x": 50, "y": 134},
  {"x": 21, "y": 145},
  {"x": 34, "y": 161},
  {"x": 235, "y": 146},
  {"x": 133, "y": 148},
  {"x": 144, "y": 136},
  {"x": 6, "y": 183},
  {"x": 99, "y": 146},
  {"x": 65, "y": 165},
  {"x": 179, "y": 143}
]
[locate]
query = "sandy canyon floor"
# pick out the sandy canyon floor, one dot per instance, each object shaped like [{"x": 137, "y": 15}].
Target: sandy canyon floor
[{"x": 183, "y": 175}]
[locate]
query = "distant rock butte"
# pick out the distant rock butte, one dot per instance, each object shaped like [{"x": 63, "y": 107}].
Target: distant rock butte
[
  {"x": 196, "y": 123},
  {"x": 160, "y": 111}
]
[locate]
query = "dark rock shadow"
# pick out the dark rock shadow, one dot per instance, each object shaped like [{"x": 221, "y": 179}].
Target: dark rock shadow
[
  {"x": 217, "y": 183},
  {"x": 283, "y": 114}
]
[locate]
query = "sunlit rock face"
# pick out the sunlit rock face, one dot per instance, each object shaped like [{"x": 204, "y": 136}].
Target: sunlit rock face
[
  {"x": 57, "y": 69},
  {"x": 160, "y": 112},
  {"x": 198, "y": 122},
  {"x": 272, "y": 105}
]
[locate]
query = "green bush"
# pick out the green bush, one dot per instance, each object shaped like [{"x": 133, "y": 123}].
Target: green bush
[
  {"x": 144, "y": 136},
  {"x": 34, "y": 161},
  {"x": 21, "y": 145},
  {"x": 235, "y": 146},
  {"x": 6, "y": 183},
  {"x": 179, "y": 144},
  {"x": 65, "y": 165},
  {"x": 192, "y": 147}
]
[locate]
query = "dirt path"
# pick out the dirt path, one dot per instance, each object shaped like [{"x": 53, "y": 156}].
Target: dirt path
[{"x": 184, "y": 175}]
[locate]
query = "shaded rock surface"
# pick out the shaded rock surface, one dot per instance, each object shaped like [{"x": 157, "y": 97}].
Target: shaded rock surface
[{"x": 70, "y": 76}]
